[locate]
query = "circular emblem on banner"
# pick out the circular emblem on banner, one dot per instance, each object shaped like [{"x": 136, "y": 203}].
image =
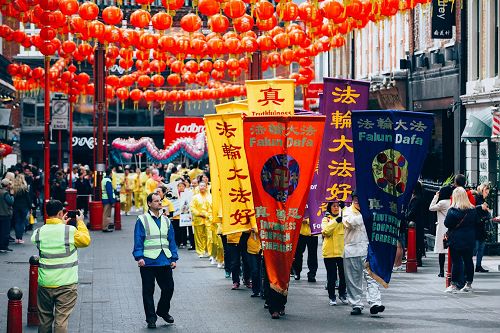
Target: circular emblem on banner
[
  {"x": 280, "y": 176},
  {"x": 390, "y": 171}
]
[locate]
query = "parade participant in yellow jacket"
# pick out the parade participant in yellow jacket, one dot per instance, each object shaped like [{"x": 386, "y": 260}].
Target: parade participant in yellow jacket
[
  {"x": 254, "y": 259},
  {"x": 201, "y": 209},
  {"x": 57, "y": 242},
  {"x": 311, "y": 241},
  {"x": 195, "y": 171},
  {"x": 151, "y": 183},
  {"x": 144, "y": 178},
  {"x": 333, "y": 251},
  {"x": 127, "y": 186},
  {"x": 137, "y": 190}
]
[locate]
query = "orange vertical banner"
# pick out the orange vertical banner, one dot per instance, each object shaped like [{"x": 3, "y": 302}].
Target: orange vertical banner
[{"x": 281, "y": 153}]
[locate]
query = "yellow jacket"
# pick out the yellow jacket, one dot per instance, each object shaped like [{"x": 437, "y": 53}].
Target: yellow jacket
[
  {"x": 127, "y": 184},
  {"x": 144, "y": 178},
  {"x": 253, "y": 244},
  {"x": 305, "y": 228},
  {"x": 137, "y": 183},
  {"x": 234, "y": 238},
  {"x": 201, "y": 208},
  {"x": 167, "y": 205},
  {"x": 151, "y": 186},
  {"x": 193, "y": 173},
  {"x": 333, "y": 233}
]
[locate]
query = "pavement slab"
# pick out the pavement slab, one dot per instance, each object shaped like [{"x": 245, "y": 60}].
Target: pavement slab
[{"x": 109, "y": 296}]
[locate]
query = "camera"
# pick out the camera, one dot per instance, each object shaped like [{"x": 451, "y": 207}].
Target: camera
[{"x": 72, "y": 214}]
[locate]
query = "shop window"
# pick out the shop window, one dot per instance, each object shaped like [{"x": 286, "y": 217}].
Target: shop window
[
  {"x": 139, "y": 117},
  {"x": 28, "y": 114}
]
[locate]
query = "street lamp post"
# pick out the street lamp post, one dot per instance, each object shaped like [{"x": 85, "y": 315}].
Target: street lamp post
[
  {"x": 100, "y": 102},
  {"x": 46, "y": 144}
]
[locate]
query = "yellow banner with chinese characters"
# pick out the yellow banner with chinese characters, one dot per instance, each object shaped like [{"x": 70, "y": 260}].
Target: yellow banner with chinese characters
[
  {"x": 214, "y": 179},
  {"x": 226, "y": 138},
  {"x": 270, "y": 97},
  {"x": 236, "y": 106}
]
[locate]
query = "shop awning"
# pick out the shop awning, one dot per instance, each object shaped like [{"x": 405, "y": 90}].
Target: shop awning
[{"x": 478, "y": 126}]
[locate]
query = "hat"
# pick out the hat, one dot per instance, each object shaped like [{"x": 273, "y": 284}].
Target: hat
[
  {"x": 6, "y": 182},
  {"x": 127, "y": 167}
]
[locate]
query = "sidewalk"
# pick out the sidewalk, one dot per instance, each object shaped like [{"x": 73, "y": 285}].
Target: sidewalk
[{"x": 110, "y": 297}]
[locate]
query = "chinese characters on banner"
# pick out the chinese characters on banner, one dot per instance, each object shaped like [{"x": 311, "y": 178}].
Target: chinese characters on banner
[
  {"x": 226, "y": 135},
  {"x": 270, "y": 97},
  {"x": 389, "y": 148},
  {"x": 214, "y": 177},
  {"x": 281, "y": 153},
  {"x": 334, "y": 177}
]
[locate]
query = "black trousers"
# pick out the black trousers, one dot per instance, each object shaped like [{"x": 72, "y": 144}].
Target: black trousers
[
  {"x": 4, "y": 232},
  {"x": 461, "y": 260},
  {"x": 332, "y": 265},
  {"x": 275, "y": 300},
  {"x": 163, "y": 276},
  {"x": 254, "y": 262},
  {"x": 237, "y": 255},
  {"x": 227, "y": 258},
  {"x": 312, "y": 255}
]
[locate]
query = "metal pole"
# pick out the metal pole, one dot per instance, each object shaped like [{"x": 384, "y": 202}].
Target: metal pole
[
  {"x": 100, "y": 98},
  {"x": 46, "y": 143},
  {"x": 70, "y": 148},
  {"x": 59, "y": 148}
]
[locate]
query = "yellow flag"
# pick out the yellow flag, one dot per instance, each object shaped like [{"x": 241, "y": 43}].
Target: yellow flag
[
  {"x": 214, "y": 178},
  {"x": 238, "y": 106},
  {"x": 226, "y": 138},
  {"x": 270, "y": 97}
]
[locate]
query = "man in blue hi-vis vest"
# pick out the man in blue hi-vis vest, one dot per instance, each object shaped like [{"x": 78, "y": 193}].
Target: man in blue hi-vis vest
[{"x": 155, "y": 251}]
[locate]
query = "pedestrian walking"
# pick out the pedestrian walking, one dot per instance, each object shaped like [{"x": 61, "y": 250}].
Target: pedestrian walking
[
  {"x": 460, "y": 221},
  {"x": 108, "y": 200},
  {"x": 355, "y": 251},
  {"x": 483, "y": 191},
  {"x": 201, "y": 209},
  {"x": 127, "y": 187},
  {"x": 254, "y": 260},
  {"x": 6, "y": 203},
  {"x": 441, "y": 204},
  {"x": 21, "y": 207},
  {"x": 333, "y": 251},
  {"x": 57, "y": 243},
  {"x": 311, "y": 242},
  {"x": 156, "y": 254}
]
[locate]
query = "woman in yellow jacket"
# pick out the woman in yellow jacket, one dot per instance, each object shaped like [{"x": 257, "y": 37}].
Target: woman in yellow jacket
[{"x": 333, "y": 251}]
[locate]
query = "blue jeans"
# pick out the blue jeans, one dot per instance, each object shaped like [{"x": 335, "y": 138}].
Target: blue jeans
[
  {"x": 20, "y": 220},
  {"x": 479, "y": 252}
]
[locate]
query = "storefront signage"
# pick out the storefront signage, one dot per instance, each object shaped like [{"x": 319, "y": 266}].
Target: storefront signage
[
  {"x": 443, "y": 19},
  {"x": 182, "y": 127}
]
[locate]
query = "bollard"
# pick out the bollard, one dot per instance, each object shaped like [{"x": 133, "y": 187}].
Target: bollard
[
  {"x": 33, "y": 319},
  {"x": 95, "y": 212},
  {"x": 15, "y": 310},
  {"x": 71, "y": 199},
  {"x": 118, "y": 217},
  {"x": 411, "y": 256},
  {"x": 448, "y": 270}
]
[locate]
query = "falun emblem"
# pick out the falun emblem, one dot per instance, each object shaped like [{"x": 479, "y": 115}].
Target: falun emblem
[{"x": 390, "y": 171}]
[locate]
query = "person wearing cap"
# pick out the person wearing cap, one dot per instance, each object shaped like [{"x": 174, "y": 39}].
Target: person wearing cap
[
  {"x": 127, "y": 185},
  {"x": 355, "y": 251},
  {"x": 6, "y": 203},
  {"x": 57, "y": 243}
]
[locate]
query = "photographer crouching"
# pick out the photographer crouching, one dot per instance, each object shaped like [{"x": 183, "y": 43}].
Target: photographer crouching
[{"x": 57, "y": 242}]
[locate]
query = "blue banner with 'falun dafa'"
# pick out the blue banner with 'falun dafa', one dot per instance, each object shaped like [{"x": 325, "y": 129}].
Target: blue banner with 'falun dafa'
[{"x": 389, "y": 151}]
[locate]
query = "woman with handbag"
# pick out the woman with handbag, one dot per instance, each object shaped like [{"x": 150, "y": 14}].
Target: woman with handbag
[
  {"x": 441, "y": 204},
  {"x": 460, "y": 221}
]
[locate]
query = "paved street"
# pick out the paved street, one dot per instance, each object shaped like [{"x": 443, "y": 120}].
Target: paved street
[{"x": 110, "y": 297}]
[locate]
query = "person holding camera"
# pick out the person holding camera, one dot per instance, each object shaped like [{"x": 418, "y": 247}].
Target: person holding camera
[
  {"x": 57, "y": 243},
  {"x": 156, "y": 254},
  {"x": 441, "y": 204},
  {"x": 332, "y": 230}
]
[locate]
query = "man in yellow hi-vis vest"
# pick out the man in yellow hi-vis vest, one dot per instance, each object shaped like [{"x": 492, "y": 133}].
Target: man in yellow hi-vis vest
[
  {"x": 156, "y": 254},
  {"x": 108, "y": 200},
  {"x": 58, "y": 271}
]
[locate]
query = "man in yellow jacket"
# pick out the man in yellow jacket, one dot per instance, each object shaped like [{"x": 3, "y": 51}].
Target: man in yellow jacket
[
  {"x": 144, "y": 178},
  {"x": 311, "y": 241},
  {"x": 138, "y": 202},
  {"x": 333, "y": 251},
  {"x": 201, "y": 209},
  {"x": 57, "y": 243}
]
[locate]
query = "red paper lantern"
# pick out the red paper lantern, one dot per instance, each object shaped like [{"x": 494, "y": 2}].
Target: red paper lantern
[
  {"x": 68, "y": 7},
  {"x": 112, "y": 15},
  {"x": 234, "y": 8},
  {"x": 173, "y": 79},
  {"x": 190, "y": 22},
  {"x": 266, "y": 25},
  {"x": 219, "y": 65},
  {"x": 232, "y": 64},
  {"x": 161, "y": 21},
  {"x": 233, "y": 45},
  {"x": 88, "y": 11},
  {"x": 206, "y": 66},
  {"x": 263, "y": 10},
  {"x": 49, "y": 4},
  {"x": 331, "y": 9},
  {"x": 218, "y": 23},
  {"x": 172, "y": 4},
  {"x": 249, "y": 44},
  {"x": 158, "y": 80},
  {"x": 208, "y": 7},
  {"x": 140, "y": 18},
  {"x": 244, "y": 23}
]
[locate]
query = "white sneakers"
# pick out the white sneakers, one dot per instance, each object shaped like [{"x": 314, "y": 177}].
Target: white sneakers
[
  {"x": 467, "y": 288},
  {"x": 401, "y": 268},
  {"x": 219, "y": 265},
  {"x": 213, "y": 261},
  {"x": 454, "y": 290},
  {"x": 332, "y": 302}
]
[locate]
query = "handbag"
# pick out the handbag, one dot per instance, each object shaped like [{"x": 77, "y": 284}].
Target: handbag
[{"x": 446, "y": 236}]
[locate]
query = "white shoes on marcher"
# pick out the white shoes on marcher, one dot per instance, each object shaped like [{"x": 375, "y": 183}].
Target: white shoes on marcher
[
  {"x": 467, "y": 288},
  {"x": 332, "y": 302}
]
